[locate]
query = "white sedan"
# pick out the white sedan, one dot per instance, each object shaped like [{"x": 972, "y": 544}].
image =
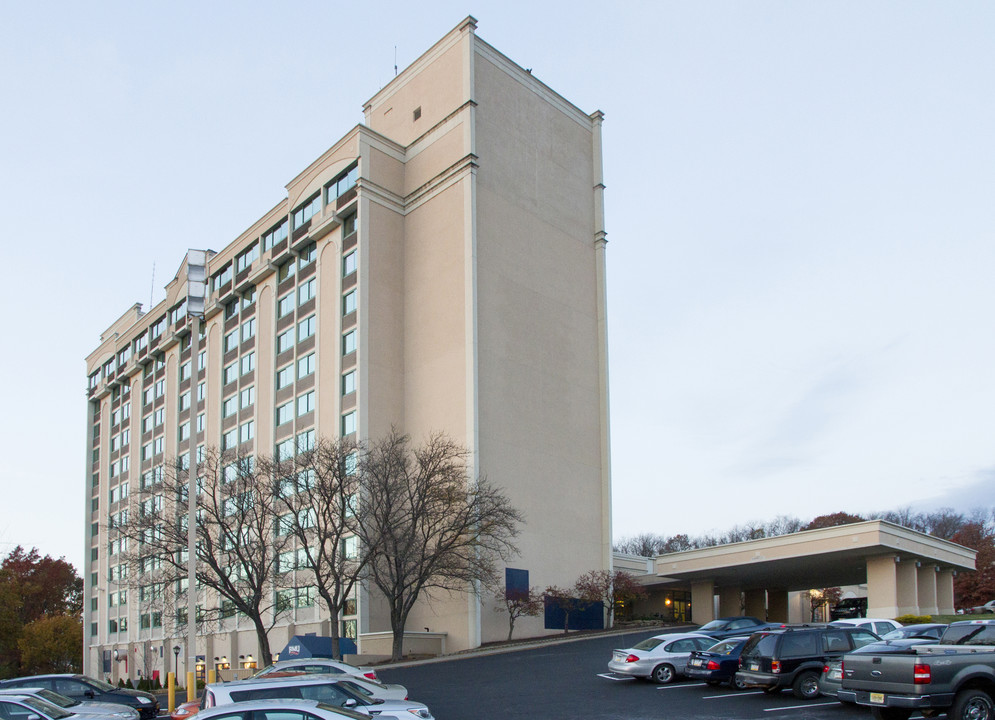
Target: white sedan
[
  {"x": 280, "y": 710},
  {"x": 661, "y": 658}
]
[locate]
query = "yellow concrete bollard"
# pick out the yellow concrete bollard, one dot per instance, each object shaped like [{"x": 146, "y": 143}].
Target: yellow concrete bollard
[
  {"x": 211, "y": 676},
  {"x": 171, "y": 690},
  {"x": 191, "y": 686}
]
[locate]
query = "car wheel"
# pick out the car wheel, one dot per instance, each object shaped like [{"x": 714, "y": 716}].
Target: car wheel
[
  {"x": 735, "y": 682},
  {"x": 890, "y": 713},
  {"x": 772, "y": 690},
  {"x": 663, "y": 674},
  {"x": 972, "y": 705},
  {"x": 806, "y": 686}
]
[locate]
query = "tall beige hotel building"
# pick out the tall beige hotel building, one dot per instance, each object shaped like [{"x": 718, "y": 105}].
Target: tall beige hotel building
[{"x": 440, "y": 268}]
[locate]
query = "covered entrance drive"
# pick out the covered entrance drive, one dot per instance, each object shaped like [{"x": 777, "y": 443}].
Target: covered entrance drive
[{"x": 906, "y": 572}]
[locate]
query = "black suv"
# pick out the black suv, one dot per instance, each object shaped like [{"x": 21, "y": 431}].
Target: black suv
[
  {"x": 849, "y": 608},
  {"x": 793, "y": 656},
  {"x": 80, "y": 687}
]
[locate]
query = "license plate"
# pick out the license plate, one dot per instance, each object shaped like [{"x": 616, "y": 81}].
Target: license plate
[
  {"x": 696, "y": 663},
  {"x": 877, "y": 698},
  {"x": 754, "y": 666},
  {"x": 619, "y": 656},
  {"x": 835, "y": 674}
]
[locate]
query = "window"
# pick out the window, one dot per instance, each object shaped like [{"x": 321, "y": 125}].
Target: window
[
  {"x": 351, "y": 463},
  {"x": 349, "y": 264},
  {"x": 248, "y": 363},
  {"x": 305, "y": 403},
  {"x": 201, "y": 392},
  {"x": 309, "y": 253},
  {"x": 248, "y": 396},
  {"x": 306, "y": 291},
  {"x": 245, "y": 259},
  {"x": 147, "y": 451},
  {"x": 349, "y": 342},
  {"x": 349, "y": 302},
  {"x": 116, "y": 417},
  {"x": 349, "y": 423},
  {"x": 201, "y": 360},
  {"x": 220, "y": 278},
  {"x": 285, "y": 271},
  {"x": 284, "y": 376},
  {"x": 160, "y": 388},
  {"x": 185, "y": 371},
  {"x": 305, "y": 328},
  {"x": 248, "y": 329},
  {"x": 185, "y": 401},
  {"x": 229, "y": 439},
  {"x": 342, "y": 184},
  {"x": 305, "y": 441},
  {"x": 141, "y": 342},
  {"x": 349, "y": 382},
  {"x": 305, "y": 365},
  {"x": 231, "y": 309},
  {"x": 274, "y": 236},
  {"x": 157, "y": 446},
  {"x": 126, "y": 410},
  {"x": 285, "y": 449},
  {"x": 157, "y": 329},
  {"x": 285, "y": 305},
  {"x": 229, "y": 406},
  {"x": 231, "y": 340},
  {"x": 285, "y": 413},
  {"x": 160, "y": 416},
  {"x": 306, "y": 211},
  {"x": 160, "y": 361},
  {"x": 246, "y": 431},
  {"x": 285, "y": 341},
  {"x": 350, "y": 548},
  {"x": 148, "y": 396},
  {"x": 177, "y": 313},
  {"x": 349, "y": 225},
  {"x": 184, "y": 432}
]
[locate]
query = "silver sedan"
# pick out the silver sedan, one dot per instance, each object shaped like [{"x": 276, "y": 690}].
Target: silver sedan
[{"x": 661, "y": 658}]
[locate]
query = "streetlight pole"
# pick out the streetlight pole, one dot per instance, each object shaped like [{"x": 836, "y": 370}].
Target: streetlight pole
[{"x": 196, "y": 294}]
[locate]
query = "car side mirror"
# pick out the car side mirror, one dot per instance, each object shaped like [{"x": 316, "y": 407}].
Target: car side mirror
[
  {"x": 33, "y": 716},
  {"x": 350, "y": 703}
]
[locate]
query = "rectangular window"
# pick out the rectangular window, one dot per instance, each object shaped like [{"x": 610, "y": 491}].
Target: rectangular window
[
  {"x": 285, "y": 413},
  {"x": 229, "y": 406},
  {"x": 126, "y": 411},
  {"x": 231, "y": 309},
  {"x": 306, "y": 211},
  {"x": 160, "y": 388},
  {"x": 229, "y": 439},
  {"x": 245, "y": 259},
  {"x": 349, "y": 342},
  {"x": 285, "y": 271},
  {"x": 305, "y": 328},
  {"x": 230, "y": 373},
  {"x": 185, "y": 401},
  {"x": 305, "y": 366},
  {"x": 201, "y": 392},
  {"x": 248, "y": 363},
  {"x": 349, "y": 302},
  {"x": 349, "y": 382},
  {"x": 284, "y": 376},
  {"x": 349, "y": 423},
  {"x": 160, "y": 416},
  {"x": 184, "y": 432},
  {"x": 248, "y": 329},
  {"x": 220, "y": 278},
  {"x": 185, "y": 371},
  {"x": 305, "y": 403},
  {"x": 305, "y": 441},
  {"x": 157, "y": 446},
  {"x": 147, "y": 451},
  {"x": 306, "y": 291},
  {"x": 246, "y": 431},
  {"x": 285, "y": 305},
  {"x": 349, "y": 225},
  {"x": 148, "y": 396},
  {"x": 285, "y": 449},
  {"x": 248, "y": 396},
  {"x": 201, "y": 360},
  {"x": 349, "y": 264},
  {"x": 285, "y": 341},
  {"x": 231, "y": 340},
  {"x": 309, "y": 254},
  {"x": 274, "y": 236},
  {"x": 200, "y": 423}
]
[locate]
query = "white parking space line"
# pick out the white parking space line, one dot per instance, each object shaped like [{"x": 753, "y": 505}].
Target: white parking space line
[
  {"x": 678, "y": 687},
  {"x": 609, "y": 676},
  {"x": 732, "y": 695},
  {"x": 801, "y": 707}
]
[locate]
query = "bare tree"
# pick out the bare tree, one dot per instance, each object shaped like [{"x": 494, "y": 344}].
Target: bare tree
[
  {"x": 608, "y": 588},
  {"x": 318, "y": 492},
  {"x": 239, "y": 540},
  {"x": 427, "y": 524},
  {"x": 518, "y": 603}
]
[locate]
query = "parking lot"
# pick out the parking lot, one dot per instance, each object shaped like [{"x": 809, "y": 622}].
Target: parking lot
[{"x": 571, "y": 680}]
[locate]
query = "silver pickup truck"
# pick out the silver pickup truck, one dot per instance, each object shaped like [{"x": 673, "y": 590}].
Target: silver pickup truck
[{"x": 955, "y": 676}]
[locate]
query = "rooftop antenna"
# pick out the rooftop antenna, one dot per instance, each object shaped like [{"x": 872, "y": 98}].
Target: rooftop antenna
[
  {"x": 152, "y": 289},
  {"x": 395, "y": 61}
]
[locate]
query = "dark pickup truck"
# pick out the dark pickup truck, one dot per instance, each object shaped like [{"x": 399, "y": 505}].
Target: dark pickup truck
[{"x": 955, "y": 676}]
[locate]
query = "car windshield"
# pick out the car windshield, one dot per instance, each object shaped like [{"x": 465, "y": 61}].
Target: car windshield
[
  {"x": 46, "y": 708},
  {"x": 714, "y": 625},
  {"x": 725, "y": 647},
  {"x": 99, "y": 684},
  {"x": 53, "y": 697},
  {"x": 648, "y": 643}
]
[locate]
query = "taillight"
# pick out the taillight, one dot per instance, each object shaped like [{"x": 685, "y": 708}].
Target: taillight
[
  {"x": 921, "y": 675},
  {"x": 372, "y": 674},
  {"x": 775, "y": 666},
  {"x": 825, "y": 669},
  {"x": 712, "y": 665},
  {"x": 632, "y": 658}
]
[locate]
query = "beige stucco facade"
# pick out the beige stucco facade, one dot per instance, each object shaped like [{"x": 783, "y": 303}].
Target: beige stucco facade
[
  {"x": 905, "y": 572},
  {"x": 475, "y": 306}
]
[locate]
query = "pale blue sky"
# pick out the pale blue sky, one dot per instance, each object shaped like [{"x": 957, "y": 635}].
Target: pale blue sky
[{"x": 799, "y": 208}]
